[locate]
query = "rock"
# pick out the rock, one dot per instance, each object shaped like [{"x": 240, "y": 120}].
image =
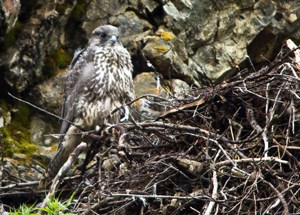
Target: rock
[
  {"x": 148, "y": 83},
  {"x": 167, "y": 55},
  {"x": 212, "y": 39},
  {"x": 179, "y": 88},
  {"x": 27, "y": 48},
  {"x": 217, "y": 35},
  {"x": 41, "y": 131},
  {"x": 49, "y": 94}
]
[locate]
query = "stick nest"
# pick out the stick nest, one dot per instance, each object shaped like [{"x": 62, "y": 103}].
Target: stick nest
[{"x": 233, "y": 148}]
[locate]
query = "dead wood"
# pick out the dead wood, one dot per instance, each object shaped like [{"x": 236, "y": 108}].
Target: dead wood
[{"x": 232, "y": 148}]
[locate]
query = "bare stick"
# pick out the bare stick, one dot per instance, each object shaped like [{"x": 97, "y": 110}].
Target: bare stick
[
  {"x": 280, "y": 199},
  {"x": 203, "y": 197},
  {"x": 214, "y": 194},
  {"x": 248, "y": 160}
]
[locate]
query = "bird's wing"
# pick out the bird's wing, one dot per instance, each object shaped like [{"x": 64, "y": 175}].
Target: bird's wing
[{"x": 81, "y": 62}]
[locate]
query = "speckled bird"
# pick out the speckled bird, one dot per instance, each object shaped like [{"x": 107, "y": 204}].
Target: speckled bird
[{"x": 99, "y": 80}]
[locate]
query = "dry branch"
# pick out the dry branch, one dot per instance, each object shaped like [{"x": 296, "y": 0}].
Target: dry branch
[{"x": 232, "y": 148}]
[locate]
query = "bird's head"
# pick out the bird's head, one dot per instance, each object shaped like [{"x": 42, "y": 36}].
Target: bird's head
[{"x": 105, "y": 35}]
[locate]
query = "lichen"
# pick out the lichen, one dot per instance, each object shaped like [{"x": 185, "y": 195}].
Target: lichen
[{"x": 167, "y": 35}]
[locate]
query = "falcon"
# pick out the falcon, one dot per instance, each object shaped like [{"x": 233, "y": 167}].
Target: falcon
[{"x": 99, "y": 80}]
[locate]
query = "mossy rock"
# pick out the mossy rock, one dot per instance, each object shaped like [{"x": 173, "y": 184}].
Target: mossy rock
[
  {"x": 58, "y": 59},
  {"x": 22, "y": 114},
  {"x": 11, "y": 37},
  {"x": 16, "y": 133},
  {"x": 79, "y": 10},
  {"x": 61, "y": 58},
  {"x": 16, "y": 139}
]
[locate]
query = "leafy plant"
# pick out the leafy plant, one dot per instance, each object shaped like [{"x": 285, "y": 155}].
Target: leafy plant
[
  {"x": 53, "y": 207},
  {"x": 24, "y": 210}
]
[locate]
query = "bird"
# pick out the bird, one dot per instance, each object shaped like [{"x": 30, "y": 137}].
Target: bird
[{"x": 99, "y": 80}]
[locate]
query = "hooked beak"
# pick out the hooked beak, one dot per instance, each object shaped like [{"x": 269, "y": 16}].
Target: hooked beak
[{"x": 113, "y": 39}]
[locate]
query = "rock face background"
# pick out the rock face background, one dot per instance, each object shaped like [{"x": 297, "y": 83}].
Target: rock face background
[{"x": 184, "y": 42}]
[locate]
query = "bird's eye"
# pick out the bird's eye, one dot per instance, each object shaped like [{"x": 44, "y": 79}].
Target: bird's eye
[
  {"x": 103, "y": 35},
  {"x": 100, "y": 34}
]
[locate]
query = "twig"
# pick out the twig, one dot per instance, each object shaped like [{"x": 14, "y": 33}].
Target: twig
[
  {"x": 248, "y": 160},
  {"x": 199, "y": 197},
  {"x": 17, "y": 185},
  {"x": 280, "y": 199},
  {"x": 214, "y": 194}
]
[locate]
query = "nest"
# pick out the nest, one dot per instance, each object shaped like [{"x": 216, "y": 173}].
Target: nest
[{"x": 233, "y": 148}]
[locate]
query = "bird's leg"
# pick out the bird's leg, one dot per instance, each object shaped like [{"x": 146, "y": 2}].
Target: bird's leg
[{"x": 92, "y": 151}]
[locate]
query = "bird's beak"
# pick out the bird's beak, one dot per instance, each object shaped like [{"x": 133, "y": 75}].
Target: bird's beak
[{"x": 113, "y": 39}]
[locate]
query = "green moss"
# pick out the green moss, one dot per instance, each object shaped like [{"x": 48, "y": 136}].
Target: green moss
[
  {"x": 11, "y": 37},
  {"x": 61, "y": 8},
  {"x": 78, "y": 11},
  {"x": 4, "y": 108},
  {"x": 22, "y": 114},
  {"x": 55, "y": 61},
  {"x": 16, "y": 134},
  {"x": 61, "y": 58},
  {"x": 16, "y": 139}
]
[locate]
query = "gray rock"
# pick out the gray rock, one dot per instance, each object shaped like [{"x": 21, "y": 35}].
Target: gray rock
[
  {"x": 49, "y": 94},
  {"x": 179, "y": 88},
  {"x": 41, "y": 131},
  {"x": 26, "y": 55}
]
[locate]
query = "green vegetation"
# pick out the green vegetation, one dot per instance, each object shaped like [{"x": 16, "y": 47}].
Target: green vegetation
[
  {"x": 56, "y": 60},
  {"x": 16, "y": 133},
  {"x": 22, "y": 115},
  {"x": 53, "y": 207},
  {"x": 61, "y": 58},
  {"x": 24, "y": 210},
  {"x": 78, "y": 11},
  {"x": 11, "y": 37}
]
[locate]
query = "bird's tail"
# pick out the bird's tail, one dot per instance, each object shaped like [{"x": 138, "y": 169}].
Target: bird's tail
[
  {"x": 70, "y": 142},
  {"x": 55, "y": 164}
]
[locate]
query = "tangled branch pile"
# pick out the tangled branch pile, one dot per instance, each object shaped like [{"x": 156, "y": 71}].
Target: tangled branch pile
[
  {"x": 228, "y": 149},
  {"x": 233, "y": 148}
]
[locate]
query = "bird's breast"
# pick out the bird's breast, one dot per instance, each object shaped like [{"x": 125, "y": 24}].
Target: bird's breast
[{"x": 106, "y": 86}]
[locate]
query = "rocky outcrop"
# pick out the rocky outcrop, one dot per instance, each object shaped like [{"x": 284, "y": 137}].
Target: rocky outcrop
[{"x": 187, "y": 41}]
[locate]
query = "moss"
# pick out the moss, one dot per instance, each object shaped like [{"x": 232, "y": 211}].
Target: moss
[
  {"x": 78, "y": 11},
  {"x": 11, "y": 37},
  {"x": 57, "y": 60},
  {"x": 61, "y": 8},
  {"x": 16, "y": 139},
  {"x": 61, "y": 58},
  {"x": 4, "y": 108},
  {"x": 22, "y": 115},
  {"x": 16, "y": 134}
]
